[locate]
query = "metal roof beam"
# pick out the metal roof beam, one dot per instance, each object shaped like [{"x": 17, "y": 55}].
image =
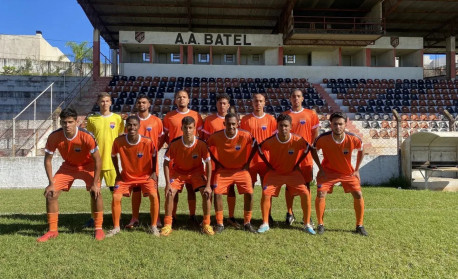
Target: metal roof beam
[
  {"x": 203, "y": 26},
  {"x": 184, "y": 5},
  {"x": 151, "y": 15}
]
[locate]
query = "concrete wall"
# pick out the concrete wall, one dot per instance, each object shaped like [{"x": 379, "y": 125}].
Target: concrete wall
[
  {"x": 34, "y": 47},
  {"x": 314, "y": 74},
  {"x": 29, "y": 172}
]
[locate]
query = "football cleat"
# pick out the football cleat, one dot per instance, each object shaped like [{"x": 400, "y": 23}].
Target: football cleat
[
  {"x": 99, "y": 234},
  {"x": 249, "y": 228},
  {"x": 47, "y": 236},
  {"x": 207, "y": 229},
  {"x": 113, "y": 232},
  {"x": 166, "y": 230},
  {"x": 233, "y": 223},
  {"x": 154, "y": 230},
  {"x": 132, "y": 224},
  {"x": 360, "y": 230},
  {"x": 289, "y": 219},
  {"x": 89, "y": 224},
  {"x": 320, "y": 229},
  {"x": 219, "y": 228},
  {"x": 263, "y": 228},
  {"x": 308, "y": 229}
]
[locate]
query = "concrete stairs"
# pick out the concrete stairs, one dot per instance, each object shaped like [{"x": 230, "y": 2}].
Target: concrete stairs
[{"x": 335, "y": 107}]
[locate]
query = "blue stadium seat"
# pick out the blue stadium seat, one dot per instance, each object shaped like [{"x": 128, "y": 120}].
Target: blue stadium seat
[
  {"x": 204, "y": 102},
  {"x": 151, "y": 95},
  {"x": 123, "y": 94},
  {"x": 159, "y": 95},
  {"x": 195, "y": 102},
  {"x": 213, "y": 109},
  {"x": 116, "y": 108},
  {"x": 130, "y": 101},
  {"x": 212, "y": 102},
  {"x": 369, "y": 109},
  {"x": 204, "y": 109},
  {"x": 132, "y": 78},
  {"x": 133, "y": 95}
]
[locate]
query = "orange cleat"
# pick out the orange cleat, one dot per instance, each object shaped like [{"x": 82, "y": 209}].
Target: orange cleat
[
  {"x": 47, "y": 236},
  {"x": 99, "y": 234}
]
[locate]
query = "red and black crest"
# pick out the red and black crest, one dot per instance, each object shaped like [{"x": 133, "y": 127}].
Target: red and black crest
[
  {"x": 394, "y": 41},
  {"x": 139, "y": 36}
]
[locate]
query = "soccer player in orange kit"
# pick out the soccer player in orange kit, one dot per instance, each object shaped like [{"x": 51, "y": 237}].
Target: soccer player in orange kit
[
  {"x": 212, "y": 124},
  {"x": 82, "y": 160},
  {"x": 150, "y": 126},
  {"x": 306, "y": 124},
  {"x": 183, "y": 165},
  {"x": 172, "y": 129},
  {"x": 337, "y": 147},
  {"x": 138, "y": 161},
  {"x": 232, "y": 150},
  {"x": 286, "y": 151}
]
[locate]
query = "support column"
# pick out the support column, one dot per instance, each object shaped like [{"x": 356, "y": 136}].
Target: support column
[
  {"x": 368, "y": 57},
  {"x": 114, "y": 62},
  {"x": 280, "y": 56},
  {"x": 181, "y": 54},
  {"x": 120, "y": 53},
  {"x": 190, "y": 54},
  {"x": 211, "y": 55},
  {"x": 393, "y": 61},
  {"x": 238, "y": 55},
  {"x": 151, "y": 54},
  {"x": 96, "y": 55},
  {"x": 340, "y": 56},
  {"x": 450, "y": 57}
]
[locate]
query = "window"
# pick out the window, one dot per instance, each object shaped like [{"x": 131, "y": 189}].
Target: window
[
  {"x": 175, "y": 57},
  {"x": 289, "y": 59},
  {"x": 229, "y": 58},
  {"x": 256, "y": 57},
  {"x": 145, "y": 57},
  {"x": 204, "y": 58}
]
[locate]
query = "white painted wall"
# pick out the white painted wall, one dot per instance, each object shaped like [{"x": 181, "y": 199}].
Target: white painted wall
[
  {"x": 404, "y": 43},
  {"x": 271, "y": 56},
  {"x": 315, "y": 74},
  {"x": 34, "y": 47}
]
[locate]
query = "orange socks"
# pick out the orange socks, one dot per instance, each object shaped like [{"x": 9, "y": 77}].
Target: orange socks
[
  {"x": 246, "y": 217},
  {"x": 192, "y": 207},
  {"x": 154, "y": 209},
  {"x": 136, "y": 201},
  {"x": 289, "y": 202},
  {"x": 206, "y": 220},
  {"x": 116, "y": 209},
  {"x": 359, "y": 210},
  {"x": 52, "y": 221},
  {"x": 306, "y": 207},
  {"x": 168, "y": 220},
  {"x": 98, "y": 218},
  {"x": 231, "y": 206},
  {"x": 265, "y": 208},
  {"x": 219, "y": 217},
  {"x": 320, "y": 205}
]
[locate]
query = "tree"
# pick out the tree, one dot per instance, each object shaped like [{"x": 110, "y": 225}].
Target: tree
[{"x": 81, "y": 53}]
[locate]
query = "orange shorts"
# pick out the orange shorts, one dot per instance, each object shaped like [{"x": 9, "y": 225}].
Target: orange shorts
[
  {"x": 125, "y": 188},
  {"x": 65, "y": 176},
  {"x": 196, "y": 179},
  {"x": 307, "y": 172},
  {"x": 226, "y": 178},
  {"x": 295, "y": 183},
  {"x": 258, "y": 168},
  {"x": 326, "y": 184}
]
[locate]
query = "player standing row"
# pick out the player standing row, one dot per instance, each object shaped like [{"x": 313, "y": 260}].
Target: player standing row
[{"x": 279, "y": 160}]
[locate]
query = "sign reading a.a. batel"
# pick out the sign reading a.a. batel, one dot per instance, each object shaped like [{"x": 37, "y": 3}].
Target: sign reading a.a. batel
[{"x": 212, "y": 39}]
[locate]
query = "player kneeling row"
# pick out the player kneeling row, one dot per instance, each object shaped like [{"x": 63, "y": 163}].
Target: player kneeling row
[{"x": 231, "y": 149}]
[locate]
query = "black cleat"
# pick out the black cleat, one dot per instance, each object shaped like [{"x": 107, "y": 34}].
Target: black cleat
[
  {"x": 249, "y": 228},
  {"x": 89, "y": 224},
  {"x": 233, "y": 223},
  {"x": 360, "y": 230},
  {"x": 289, "y": 219},
  {"x": 219, "y": 228},
  {"x": 320, "y": 229},
  {"x": 271, "y": 220}
]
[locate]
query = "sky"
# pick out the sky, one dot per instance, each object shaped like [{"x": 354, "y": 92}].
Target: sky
[{"x": 59, "y": 20}]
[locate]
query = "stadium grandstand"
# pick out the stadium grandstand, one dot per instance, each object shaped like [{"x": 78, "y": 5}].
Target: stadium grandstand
[{"x": 363, "y": 57}]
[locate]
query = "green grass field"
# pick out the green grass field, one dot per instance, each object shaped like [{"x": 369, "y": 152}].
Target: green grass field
[{"x": 413, "y": 234}]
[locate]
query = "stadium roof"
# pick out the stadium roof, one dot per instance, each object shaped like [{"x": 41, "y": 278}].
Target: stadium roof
[{"x": 432, "y": 20}]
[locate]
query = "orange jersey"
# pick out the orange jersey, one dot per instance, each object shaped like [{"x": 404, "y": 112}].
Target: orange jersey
[
  {"x": 76, "y": 151},
  {"x": 136, "y": 158},
  {"x": 185, "y": 159},
  {"x": 304, "y": 121},
  {"x": 337, "y": 155},
  {"x": 233, "y": 152},
  {"x": 212, "y": 123},
  {"x": 151, "y": 127},
  {"x": 260, "y": 127},
  {"x": 172, "y": 123},
  {"x": 284, "y": 155}
]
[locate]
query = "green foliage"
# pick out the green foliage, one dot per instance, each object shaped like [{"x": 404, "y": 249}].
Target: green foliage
[
  {"x": 412, "y": 235},
  {"x": 81, "y": 53},
  {"x": 9, "y": 70}
]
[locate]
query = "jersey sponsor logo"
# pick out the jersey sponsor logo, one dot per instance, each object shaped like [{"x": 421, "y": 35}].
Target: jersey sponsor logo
[
  {"x": 264, "y": 127},
  {"x": 171, "y": 180},
  {"x": 264, "y": 187},
  {"x": 194, "y": 156},
  {"x": 290, "y": 151},
  {"x": 319, "y": 186},
  {"x": 112, "y": 125},
  {"x": 149, "y": 128},
  {"x": 139, "y": 154},
  {"x": 77, "y": 148},
  {"x": 302, "y": 121},
  {"x": 346, "y": 151},
  {"x": 116, "y": 186},
  {"x": 238, "y": 147}
]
